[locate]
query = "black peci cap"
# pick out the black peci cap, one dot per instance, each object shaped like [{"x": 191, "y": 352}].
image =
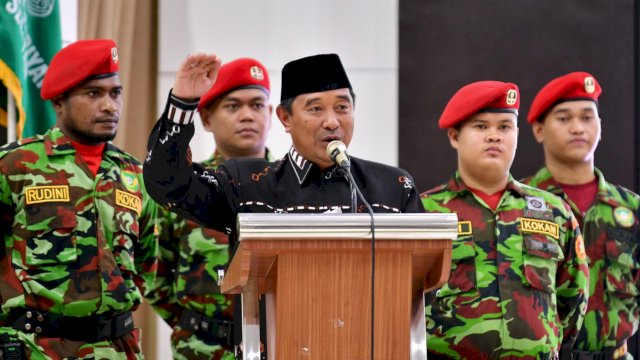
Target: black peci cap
[{"x": 313, "y": 74}]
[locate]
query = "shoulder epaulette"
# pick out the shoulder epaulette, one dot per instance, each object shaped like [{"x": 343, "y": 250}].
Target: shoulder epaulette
[
  {"x": 435, "y": 190},
  {"x": 123, "y": 155},
  {"x": 7, "y": 148}
]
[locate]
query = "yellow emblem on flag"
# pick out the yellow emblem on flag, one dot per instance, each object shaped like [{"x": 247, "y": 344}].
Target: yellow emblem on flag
[
  {"x": 45, "y": 194},
  {"x": 540, "y": 227},
  {"x": 128, "y": 201}
]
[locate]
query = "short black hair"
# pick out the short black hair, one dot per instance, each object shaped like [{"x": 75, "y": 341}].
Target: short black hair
[{"x": 286, "y": 103}]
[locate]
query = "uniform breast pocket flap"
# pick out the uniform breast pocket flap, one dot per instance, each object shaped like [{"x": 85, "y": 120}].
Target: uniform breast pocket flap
[
  {"x": 126, "y": 236},
  {"x": 541, "y": 257},
  {"x": 622, "y": 270},
  {"x": 463, "y": 266},
  {"x": 51, "y": 234}
]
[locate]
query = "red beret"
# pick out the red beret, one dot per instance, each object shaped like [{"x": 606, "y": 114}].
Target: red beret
[
  {"x": 239, "y": 73},
  {"x": 77, "y": 62},
  {"x": 481, "y": 96},
  {"x": 573, "y": 86}
]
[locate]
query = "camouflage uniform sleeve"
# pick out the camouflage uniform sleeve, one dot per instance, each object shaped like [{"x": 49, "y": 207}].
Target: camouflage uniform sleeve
[
  {"x": 572, "y": 282},
  {"x": 432, "y": 203},
  {"x": 6, "y": 210},
  {"x": 146, "y": 258},
  {"x": 163, "y": 295}
]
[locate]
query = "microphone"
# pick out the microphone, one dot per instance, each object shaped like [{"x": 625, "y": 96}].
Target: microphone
[{"x": 337, "y": 152}]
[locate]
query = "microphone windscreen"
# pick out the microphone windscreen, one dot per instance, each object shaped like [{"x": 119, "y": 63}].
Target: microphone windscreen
[{"x": 334, "y": 147}]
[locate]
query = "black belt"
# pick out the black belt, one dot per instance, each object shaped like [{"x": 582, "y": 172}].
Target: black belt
[
  {"x": 88, "y": 329},
  {"x": 207, "y": 328},
  {"x": 606, "y": 354}
]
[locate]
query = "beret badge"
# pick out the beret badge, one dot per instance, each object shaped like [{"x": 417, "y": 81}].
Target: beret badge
[
  {"x": 114, "y": 55},
  {"x": 512, "y": 97},
  {"x": 256, "y": 73},
  {"x": 589, "y": 84}
]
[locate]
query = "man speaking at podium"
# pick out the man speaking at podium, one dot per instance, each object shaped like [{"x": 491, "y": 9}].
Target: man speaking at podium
[{"x": 316, "y": 108}]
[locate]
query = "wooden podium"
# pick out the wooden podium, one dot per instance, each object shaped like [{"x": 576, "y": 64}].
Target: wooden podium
[{"x": 315, "y": 273}]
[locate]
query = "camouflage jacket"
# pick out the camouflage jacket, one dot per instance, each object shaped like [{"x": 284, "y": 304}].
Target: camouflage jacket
[
  {"x": 518, "y": 281},
  {"x": 611, "y": 234},
  {"x": 190, "y": 257},
  {"x": 74, "y": 244}
]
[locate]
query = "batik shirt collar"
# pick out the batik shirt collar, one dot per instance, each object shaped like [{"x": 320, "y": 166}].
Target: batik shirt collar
[{"x": 301, "y": 166}]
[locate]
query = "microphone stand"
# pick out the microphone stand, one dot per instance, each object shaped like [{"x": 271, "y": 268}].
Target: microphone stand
[{"x": 356, "y": 191}]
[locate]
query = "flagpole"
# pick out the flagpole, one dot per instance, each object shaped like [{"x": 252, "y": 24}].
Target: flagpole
[{"x": 11, "y": 118}]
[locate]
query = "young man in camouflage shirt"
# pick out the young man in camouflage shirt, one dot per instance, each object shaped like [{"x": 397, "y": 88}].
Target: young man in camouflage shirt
[
  {"x": 187, "y": 294},
  {"x": 565, "y": 120},
  {"x": 79, "y": 243},
  {"x": 518, "y": 282}
]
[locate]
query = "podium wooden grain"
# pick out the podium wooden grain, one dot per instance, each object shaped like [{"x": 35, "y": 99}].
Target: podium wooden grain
[{"x": 317, "y": 286}]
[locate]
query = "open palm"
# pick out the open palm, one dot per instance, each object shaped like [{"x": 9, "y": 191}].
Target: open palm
[{"x": 196, "y": 75}]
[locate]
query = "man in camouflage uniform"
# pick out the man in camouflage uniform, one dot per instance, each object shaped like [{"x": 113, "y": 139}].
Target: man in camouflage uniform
[
  {"x": 518, "y": 282},
  {"x": 78, "y": 227},
  {"x": 565, "y": 120},
  {"x": 187, "y": 295}
]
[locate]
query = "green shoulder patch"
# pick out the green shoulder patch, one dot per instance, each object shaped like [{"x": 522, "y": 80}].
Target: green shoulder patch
[
  {"x": 130, "y": 181},
  {"x": 624, "y": 217}
]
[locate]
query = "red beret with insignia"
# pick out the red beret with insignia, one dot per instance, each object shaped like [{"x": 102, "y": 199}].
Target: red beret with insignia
[
  {"x": 241, "y": 73},
  {"x": 77, "y": 62},
  {"x": 571, "y": 87},
  {"x": 481, "y": 96}
]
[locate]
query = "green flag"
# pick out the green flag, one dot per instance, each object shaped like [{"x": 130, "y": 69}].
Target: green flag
[{"x": 29, "y": 37}]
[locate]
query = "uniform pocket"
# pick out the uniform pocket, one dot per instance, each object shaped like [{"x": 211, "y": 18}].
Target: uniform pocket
[
  {"x": 622, "y": 269},
  {"x": 125, "y": 238},
  {"x": 541, "y": 257},
  {"x": 51, "y": 238},
  {"x": 201, "y": 256},
  {"x": 462, "y": 277}
]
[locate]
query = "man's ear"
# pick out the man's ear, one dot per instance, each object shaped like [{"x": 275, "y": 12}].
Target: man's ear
[
  {"x": 453, "y": 135},
  {"x": 205, "y": 118},
  {"x": 600, "y": 120},
  {"x": 285, "y": 117},
  {"x": 270, "y": 116},
  {"x": 57, "y": 103},
  {"x": 538, "y": 131}
]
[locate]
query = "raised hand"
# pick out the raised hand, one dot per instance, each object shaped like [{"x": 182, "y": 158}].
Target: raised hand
[{"x": 196, "y": 75}]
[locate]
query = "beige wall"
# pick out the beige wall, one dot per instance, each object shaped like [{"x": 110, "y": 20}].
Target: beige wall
[{"x": 363, "y": 32}]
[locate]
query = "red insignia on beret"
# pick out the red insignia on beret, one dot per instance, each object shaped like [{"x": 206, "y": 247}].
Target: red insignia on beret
[
  {"x": 573, "y": 86},
  {"x": 239, "y": 73},
  {"x": 481, "y": 96},
  {"x": 77, "y": 62}
]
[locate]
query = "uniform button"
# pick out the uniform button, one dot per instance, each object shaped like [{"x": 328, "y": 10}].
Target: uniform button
[
  {"x": 40, "y": 318},
  {"x": 29, "y": 314},
  {"x": 38, "y": 329},
  {"x": 27, "y": 326}
]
